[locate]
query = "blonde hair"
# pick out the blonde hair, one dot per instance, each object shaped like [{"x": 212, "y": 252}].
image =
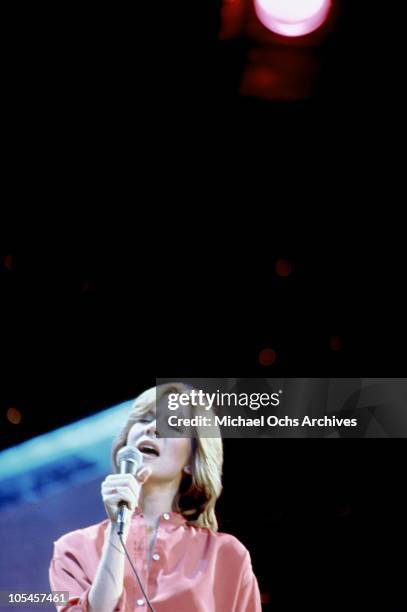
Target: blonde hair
[{"x": 199, "y": 491}]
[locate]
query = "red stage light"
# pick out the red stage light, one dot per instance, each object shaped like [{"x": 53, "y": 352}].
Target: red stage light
[
  {"x": 14, "y": 416},
  {"x": 267, "y": 357},
  {"x": 283, "y": 268}
]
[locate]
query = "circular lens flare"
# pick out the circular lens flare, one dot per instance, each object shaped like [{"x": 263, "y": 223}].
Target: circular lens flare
[
  {"x": 267, "y": 357},
  {"x": 292, "y": 17},
  {"x": 14, "y": 416}
]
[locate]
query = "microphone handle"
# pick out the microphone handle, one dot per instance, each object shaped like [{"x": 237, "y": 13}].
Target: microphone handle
[
  {"x": 122, "y": 517},
  {"x": 128, "y": 466}
]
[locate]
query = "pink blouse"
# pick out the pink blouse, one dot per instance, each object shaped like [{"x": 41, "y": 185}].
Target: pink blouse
[{"x": 192, "y": 569}]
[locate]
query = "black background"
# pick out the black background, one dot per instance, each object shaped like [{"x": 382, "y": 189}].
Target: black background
[{"x": 140, "y": 112}]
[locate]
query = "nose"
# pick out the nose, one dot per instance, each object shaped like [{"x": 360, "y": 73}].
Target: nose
[{"x": 151, "y": 428}]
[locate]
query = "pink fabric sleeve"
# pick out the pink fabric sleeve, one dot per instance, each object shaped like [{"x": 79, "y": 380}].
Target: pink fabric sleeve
[
  {"x": 249, "y": 594},
  {"x": 66, "y": 574}
]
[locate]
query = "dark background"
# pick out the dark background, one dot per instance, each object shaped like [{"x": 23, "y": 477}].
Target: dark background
[{"x": 142, "y": 112}]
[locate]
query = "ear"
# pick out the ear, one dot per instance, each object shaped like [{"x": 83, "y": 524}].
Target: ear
[{"x": 187, "y": 469}]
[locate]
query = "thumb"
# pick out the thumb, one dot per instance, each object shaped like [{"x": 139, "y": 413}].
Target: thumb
[{"x": 144, "y": 474}]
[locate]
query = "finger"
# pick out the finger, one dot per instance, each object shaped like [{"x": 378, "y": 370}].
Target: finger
[
  {"x": 131, "y": 483},
  {"x": 144, "y": 469},
  {"x": 126, "y": 491},
  {"x": 144, "y": 474},
  {"x": 114, "y": 503},
  {"x": 114, "y": 500},
  {"x": 121, "y": 482},
  {"x": 114, "y": 491},
  {"x": 108, "y": 491},
  {"x": 115, "y": 477},
  {"x": 141, "y": 474}
]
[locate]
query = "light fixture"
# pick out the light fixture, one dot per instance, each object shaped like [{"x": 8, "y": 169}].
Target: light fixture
[{"x": 292, "y": 17}]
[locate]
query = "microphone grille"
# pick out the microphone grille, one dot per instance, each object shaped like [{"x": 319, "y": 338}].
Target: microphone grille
[{"x": 129, "y": 453}]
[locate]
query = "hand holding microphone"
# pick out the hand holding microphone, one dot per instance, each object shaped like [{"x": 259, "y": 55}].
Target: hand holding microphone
[{"x": 121, "y": 492}]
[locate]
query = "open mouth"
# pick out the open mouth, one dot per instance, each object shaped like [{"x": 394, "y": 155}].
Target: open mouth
[{"x": 148, "y": 450}]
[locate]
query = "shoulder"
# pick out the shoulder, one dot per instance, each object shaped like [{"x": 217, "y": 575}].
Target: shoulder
[
  {"x": 231, "y": 543},
  {"x": 93, "y": 536},
  {"x": 225, "y": 543}
]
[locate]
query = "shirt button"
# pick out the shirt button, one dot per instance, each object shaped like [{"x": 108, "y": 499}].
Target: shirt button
[
  {"x": 156, "y": 556},
  {"x": 140, "y": 602},
  {"x": 166, "y": 516}
]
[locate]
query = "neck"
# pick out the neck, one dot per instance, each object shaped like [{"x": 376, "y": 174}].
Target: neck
[{"x": 157, "y": 499}]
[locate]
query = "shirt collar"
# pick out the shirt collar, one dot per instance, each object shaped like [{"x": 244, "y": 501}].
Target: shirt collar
[{"x": 172, "y": 518}]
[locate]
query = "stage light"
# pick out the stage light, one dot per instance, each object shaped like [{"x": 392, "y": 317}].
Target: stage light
[
  {"x": 292, "y": 17},
  {"x": 57, "y": 460},
  {"x": 267, "y": 357},
  {"x": 335, "y": 343},
  {"x": 283, "y": 268},
  {"x": 14, "y": 416}
]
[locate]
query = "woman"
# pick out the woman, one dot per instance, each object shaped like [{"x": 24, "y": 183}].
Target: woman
[{"x": 183, "y": 562}]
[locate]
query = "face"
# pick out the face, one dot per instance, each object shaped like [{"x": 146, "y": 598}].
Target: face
[{"x": 167, "y": 457}]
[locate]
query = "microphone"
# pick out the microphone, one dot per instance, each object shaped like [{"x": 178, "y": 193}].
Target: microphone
[{"x": 128, "y": 461}]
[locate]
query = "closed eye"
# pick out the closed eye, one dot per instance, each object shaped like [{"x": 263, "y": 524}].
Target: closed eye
[{"x": 146, "y": 419}]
